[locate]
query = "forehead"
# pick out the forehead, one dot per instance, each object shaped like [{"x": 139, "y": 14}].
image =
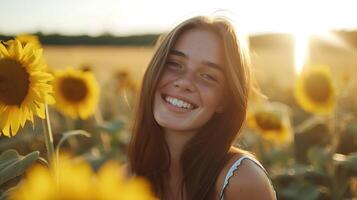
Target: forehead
[{"x": 201, "y": 45}]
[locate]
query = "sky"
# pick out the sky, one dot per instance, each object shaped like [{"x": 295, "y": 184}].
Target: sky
[{"x": 126, "y": 17}]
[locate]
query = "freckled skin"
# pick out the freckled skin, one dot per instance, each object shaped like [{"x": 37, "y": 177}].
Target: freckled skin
[{"x": 191, "y": 77}]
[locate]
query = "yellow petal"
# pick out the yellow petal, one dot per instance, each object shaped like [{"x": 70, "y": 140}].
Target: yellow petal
[
  {"x": 41, "y": 111},
  {"x": 44, "y": 86},
  {"x": 3, "y": 50},
  {"x": 33, "y": 60},
  {"x": 15, "y": 50},
  {"x": 28, "y": 49},
  {"x": 30, "y": 117},
  {"x": 23, "y": 115},
  {"x": 4, "y": 116},
  {"x": 41, "y": 76},
  {"x": 15, "y": 125},
  {"x": 6, "y": 130},
  {"x": 50, "y": 99}
]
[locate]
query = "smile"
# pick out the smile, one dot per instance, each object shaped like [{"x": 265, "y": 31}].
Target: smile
[{"x": 179, "y": 103}]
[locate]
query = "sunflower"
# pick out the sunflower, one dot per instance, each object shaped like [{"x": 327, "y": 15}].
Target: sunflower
[
  {"x": 76, "y": 180},
  {"x": 27, "y": 38},
  {"x": 124, "y": 81},
  {"x": 24, "y": 90},
  {"x": 271, "y": 121},
  {"x": 33, "y": 39},
  {"x": 315, "y": 91},
  {"x": 76, "y": 93},
  {"x": 113, "y": 183}
]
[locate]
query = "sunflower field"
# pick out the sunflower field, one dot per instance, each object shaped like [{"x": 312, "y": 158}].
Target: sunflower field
[{"x": 65, "y": 117}]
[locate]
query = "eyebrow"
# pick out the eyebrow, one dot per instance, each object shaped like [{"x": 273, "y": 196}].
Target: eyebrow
[
  {"x": 178, "y": 53},
  {"x": 207, "y": 63},
  {"x": 213, "y": 65}
]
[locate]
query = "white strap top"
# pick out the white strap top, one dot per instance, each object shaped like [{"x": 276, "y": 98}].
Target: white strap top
[{"x": 233, "y": 168}]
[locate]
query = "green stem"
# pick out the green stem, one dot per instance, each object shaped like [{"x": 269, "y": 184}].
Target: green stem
[
  {"x": 103, "y": 137},
  {"x": 47, "y": 132},
  {"x": 341, "y": 185},
  {"x": 332, "y": 126},
  {"x": 71, "y": 125},
  {"x": 339, "y": 179}
]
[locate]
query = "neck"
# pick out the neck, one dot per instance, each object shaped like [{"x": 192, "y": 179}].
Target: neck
[{"x": 176, "y": 141}]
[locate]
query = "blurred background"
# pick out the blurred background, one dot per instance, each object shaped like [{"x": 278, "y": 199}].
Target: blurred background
[{"x": 301, "y": 122}]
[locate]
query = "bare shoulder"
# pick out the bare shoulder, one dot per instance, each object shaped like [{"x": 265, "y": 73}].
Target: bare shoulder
[{"x": 249, "y": 182}]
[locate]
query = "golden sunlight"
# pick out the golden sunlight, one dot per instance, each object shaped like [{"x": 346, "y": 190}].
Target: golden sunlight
[
  {"x": 302, "y": 45},
  {"x": 301, "y": 50}
]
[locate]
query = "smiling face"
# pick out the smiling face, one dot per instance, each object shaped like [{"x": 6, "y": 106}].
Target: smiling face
[{"x": 191, "y": 88}]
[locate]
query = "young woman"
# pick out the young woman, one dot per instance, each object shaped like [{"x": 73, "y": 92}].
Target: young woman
[{"x": 192, "y": 106}]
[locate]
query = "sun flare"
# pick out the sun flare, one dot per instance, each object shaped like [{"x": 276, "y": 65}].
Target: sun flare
[{"x": 301, "y": 50}]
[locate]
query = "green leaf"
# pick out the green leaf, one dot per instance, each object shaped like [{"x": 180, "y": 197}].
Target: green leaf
[
  {"x": 317, "y": 135},
  {"x": 309, "y": 191},
  {"x": 16, "y": 166},
  {"x": 348, "y": 139},
  {"x": 70, "y": 134},
  {"x": 309, "y": 124},
  {"x": 4, "y": 195},
  {"x": 8, "y": 157},
  {"x": 351, "y": 129},
  {"x": 111, "y": 127},
  {"x": 319, "y": 157},
  {"x": 300, "y": 190}
]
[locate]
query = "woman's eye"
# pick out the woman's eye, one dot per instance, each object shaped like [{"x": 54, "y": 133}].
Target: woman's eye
[
  {"x": 173, "y": 65},
  {"x": 209, "y": 77}
]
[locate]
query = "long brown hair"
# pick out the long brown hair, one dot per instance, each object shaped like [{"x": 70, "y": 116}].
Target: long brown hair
[{"x": 206, "y": 153}]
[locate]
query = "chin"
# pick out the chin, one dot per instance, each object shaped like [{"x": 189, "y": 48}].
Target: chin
[
  {"x": 174, "y": 125},
  {"x": 168, "y": 124}
]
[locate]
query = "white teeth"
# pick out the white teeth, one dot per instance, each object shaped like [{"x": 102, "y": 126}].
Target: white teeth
[{"x": 178, "y": 103}]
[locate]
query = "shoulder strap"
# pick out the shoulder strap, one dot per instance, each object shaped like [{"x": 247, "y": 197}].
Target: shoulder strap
[{"x": 233, "y": 168}]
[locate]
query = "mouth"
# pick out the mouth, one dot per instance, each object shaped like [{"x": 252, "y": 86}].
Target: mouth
[{"x": 179, "y": 103}]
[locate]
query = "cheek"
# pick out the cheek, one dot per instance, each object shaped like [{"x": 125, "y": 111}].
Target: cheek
[
  {"x": 165, "y": 78},
  {"x": 212, "y": 97}
]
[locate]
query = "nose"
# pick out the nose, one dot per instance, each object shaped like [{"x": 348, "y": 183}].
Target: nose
[{"x": 185, "y": 83}]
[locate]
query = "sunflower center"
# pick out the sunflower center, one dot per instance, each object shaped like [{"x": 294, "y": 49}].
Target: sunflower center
[
  {"x": 317, "y": 87},
  {"x": 73, "y": 89},
  {"x": 14, "y": 82},
  {"x": 268, "y": 121}
]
